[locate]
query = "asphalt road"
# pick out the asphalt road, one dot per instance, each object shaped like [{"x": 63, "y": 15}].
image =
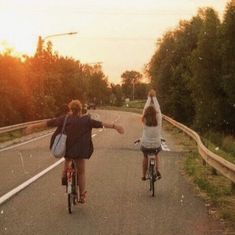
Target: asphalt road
[{"x": 118, "y": 201}]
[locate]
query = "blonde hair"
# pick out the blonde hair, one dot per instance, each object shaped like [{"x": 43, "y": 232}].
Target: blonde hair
[{"x": 75, "y": 106}]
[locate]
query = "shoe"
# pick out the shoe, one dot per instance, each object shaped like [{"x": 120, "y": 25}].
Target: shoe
[
  {"x": 82, "y": 198},
  {"x": 143, "y": 178},
  {"x": 159, "y": 176},
  {"x": 64, "y": 180}
]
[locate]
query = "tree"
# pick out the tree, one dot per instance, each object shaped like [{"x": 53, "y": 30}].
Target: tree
[
  {"x": 228, "y": 66},
  {"x": 129, "y": 80},
  {"x": 116, "y": 95},
  {"x": 13, "y": 107},
  {"x": 207, "y": 94}
]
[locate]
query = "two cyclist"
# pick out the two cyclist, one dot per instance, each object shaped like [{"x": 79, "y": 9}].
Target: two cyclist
[{"x": 151, "y": 135}]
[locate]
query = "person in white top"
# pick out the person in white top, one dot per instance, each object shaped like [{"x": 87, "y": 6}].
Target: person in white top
[{"x": 151, "y": 136}]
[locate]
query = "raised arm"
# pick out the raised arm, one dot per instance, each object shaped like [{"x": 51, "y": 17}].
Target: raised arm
[
  {"x": 148, "y": 102},
  {"x": 152, "y": 97},
  {"x": 159, "y": 113}
]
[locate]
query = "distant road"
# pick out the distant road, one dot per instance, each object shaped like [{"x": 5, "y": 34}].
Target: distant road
[{"x": 118, "y": 201}]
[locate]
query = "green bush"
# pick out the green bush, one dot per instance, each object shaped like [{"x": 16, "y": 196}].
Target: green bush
[{"x": 228, "y": 144}]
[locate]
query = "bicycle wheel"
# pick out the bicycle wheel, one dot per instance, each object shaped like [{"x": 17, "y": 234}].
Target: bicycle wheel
[
  {"x": 69, "y": 190},
  {"x": 72, "y": 195},
  {"x": 74, "y": 189},
  {"x": 152, "y": 180},
  {"x": 70, "y": 198}
]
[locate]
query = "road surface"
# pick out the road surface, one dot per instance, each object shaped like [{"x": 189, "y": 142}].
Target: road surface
[{"x": 118, "y": 201}]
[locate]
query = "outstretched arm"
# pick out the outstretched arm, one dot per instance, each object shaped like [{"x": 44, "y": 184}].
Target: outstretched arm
[
  {"x": 118, "y": 128},
  {"x": 29, "y": 129}
]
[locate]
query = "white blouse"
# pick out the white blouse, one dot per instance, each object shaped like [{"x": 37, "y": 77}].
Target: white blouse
[{"x": 151, "y": 136}]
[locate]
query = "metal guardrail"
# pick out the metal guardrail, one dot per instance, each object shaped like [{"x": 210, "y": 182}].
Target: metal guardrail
[
  {"x": 218, "y": 163},
  {"x": 19, "y": 126}
]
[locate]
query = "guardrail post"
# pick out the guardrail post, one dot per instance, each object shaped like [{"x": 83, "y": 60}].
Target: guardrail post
[
  {"x": 233, "y": 187},
  {"x": 214, "y": 172},
  {"x": 203, "y": 162}
]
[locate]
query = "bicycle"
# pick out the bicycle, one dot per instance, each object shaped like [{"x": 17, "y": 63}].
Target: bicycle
[
  {"x": 151, "y": 170},
  {"x": 71, "y": 186}
]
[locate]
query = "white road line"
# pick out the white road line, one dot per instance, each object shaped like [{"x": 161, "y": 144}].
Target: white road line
[
  {"x": 165, "y": 147},
  {"x": 26, "y": 142},
  {"x": 28, "y": 182},
  {"x": 14, "y": 191}
]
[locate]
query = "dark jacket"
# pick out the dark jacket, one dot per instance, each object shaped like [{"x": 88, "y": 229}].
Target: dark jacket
[{"x": 78, "y": 130}]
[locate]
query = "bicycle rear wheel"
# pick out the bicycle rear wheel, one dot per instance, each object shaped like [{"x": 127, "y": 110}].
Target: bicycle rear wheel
[
  {"x": 74, "y": 189},
  {"x": 70, "y": 199},
  {"x": 72, "y": 196},
  {"x": 69, "y": 190},
  {"x": 152, "y": 180}
]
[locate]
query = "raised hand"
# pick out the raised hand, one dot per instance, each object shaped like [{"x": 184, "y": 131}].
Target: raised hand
[{"x": 152, "y": 93}]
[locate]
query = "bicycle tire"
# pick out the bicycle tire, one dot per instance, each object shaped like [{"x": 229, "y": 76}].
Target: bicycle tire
[
  {"x": 152, "y": 180},
  {"x": 74, "y": 189},
  {"x": 153, "y": 187},
  {"x": 70, "y": 203}
]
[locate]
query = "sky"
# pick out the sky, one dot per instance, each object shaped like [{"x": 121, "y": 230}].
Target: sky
[{"x": 120, "y": 34}]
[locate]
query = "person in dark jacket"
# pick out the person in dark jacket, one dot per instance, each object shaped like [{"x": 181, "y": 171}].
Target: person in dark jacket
[{"x": 79, "y": 144}]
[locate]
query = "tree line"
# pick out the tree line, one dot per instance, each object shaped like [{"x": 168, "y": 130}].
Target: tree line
[
  {"x": 40, "y": 86},
  {"x": 193, "y": 71}
]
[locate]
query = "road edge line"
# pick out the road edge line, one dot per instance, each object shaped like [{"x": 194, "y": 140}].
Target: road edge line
[{"x": 8, "y": 195}]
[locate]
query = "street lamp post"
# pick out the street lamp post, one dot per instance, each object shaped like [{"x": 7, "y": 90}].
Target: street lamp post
[
  {"x": 55, "y": 35},
  {"x": 133, "y": 89},
  {"x": 59, "y": 34},
  {"x": 42, "y": 39}
]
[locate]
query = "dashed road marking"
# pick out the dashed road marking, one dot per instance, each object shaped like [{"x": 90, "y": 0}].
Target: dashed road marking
[{"x": 165, "y": 147}]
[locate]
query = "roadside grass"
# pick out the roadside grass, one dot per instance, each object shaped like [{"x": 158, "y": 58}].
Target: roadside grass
[
  {"x": 214, "y": 188},
  {"x": 9, "y": 136},
  {"x": 138, "y": 104},
  {"x": 218, "y": 149},
  {"x": 226, "y": 142}
]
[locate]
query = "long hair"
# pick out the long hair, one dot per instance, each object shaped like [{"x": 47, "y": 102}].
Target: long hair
[
  {"x": 150, "y": 116},
  {"x": 75, "y": 106}
]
